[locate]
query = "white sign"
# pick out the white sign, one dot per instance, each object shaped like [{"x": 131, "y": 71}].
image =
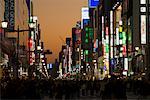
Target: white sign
[
  {"x": 142, "y": 1},
  {"x": 143, "y": 9},
  {"x": 85, "y": 13},
  {"x": 117, "y": 36},
  {"x": 126, "y": 64}
]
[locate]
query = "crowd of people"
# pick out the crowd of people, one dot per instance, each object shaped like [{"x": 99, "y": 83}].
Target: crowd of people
[{"x": 112, "y": 88}]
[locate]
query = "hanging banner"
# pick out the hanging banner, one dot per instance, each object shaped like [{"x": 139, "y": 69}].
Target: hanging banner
[
  {"x": 9, "y": 14},
  {"x": 28, "y": 5}
]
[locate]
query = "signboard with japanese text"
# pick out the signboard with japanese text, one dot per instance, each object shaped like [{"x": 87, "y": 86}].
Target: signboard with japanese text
[{"x": 10, "y": 14}]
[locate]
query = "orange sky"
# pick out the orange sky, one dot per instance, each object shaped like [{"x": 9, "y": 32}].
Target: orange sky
[{"x": 56, "y": 18}]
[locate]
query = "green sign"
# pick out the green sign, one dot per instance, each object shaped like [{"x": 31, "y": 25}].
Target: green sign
[
  {"x": 107, "y": 48},
  {"x": 86, "y": 52},
  {"x": 124, "y": 37}
]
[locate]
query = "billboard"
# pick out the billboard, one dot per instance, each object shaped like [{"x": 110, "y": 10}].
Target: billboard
[
  {"x": 93, "y": 3},
  {"x": 9, "y": 14}
]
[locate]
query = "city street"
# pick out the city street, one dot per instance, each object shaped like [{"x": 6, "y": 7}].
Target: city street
[{"x": 75, "y": 49}]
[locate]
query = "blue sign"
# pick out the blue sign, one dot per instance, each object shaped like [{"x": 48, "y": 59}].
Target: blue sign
[
  {"x": 93, "y": 3},
  {"x": 85, "y": 22}
]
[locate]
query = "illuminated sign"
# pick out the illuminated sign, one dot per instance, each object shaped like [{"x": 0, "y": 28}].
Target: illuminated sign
[
  {"x": 142, "y": 1},
  {"x": 103, "y": 30},
  {"x": 85, "y": 13},
  {"x": 85, "y": 22},
  {"x": 143, "y": 9},
  {"x": 10, "y": 14},
  {"x": 93, "y": 3},
  {"x": 124, "y": 38},
  {"x": 84, "y": 16},
  {"x": 117, "y": 36},
  {"x": 107, "y": 36},
  {"x": 111, "y": 32},
  {"x": 107, "y": 31},
  {"x": 124, "y": 50},
  {"x": 91, "y": 34},
  {"x": 96, "y": 45},
  {"x": 120, "y": 32},
  {"x": 31, "y": 47},
  {"x": 126, "y": 64},
  {"x": 111, "y": 40},
  {"x": 143, "y": 29},
  {"x": 49, "y": 66},
  {"x": 111, "y": 52},
  {"x": 86, "y": 52}
]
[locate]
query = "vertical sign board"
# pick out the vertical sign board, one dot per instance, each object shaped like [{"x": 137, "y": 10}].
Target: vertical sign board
[
  {"x": 28, "y": 5},
  {"x": 85, "y": 13},
  {"x": 84, "y": 16},
  {"x": 143, "y": 29},
  {"x": 93, "y": 3},
  {"x": 10, "y": 14},
  {"x": 111, "y": 32}
]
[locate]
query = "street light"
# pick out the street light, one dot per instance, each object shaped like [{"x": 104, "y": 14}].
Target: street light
[{"x": 4, "y": 26}]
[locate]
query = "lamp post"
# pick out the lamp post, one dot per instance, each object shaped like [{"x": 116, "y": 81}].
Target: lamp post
[{"x": 4, "y": 26}]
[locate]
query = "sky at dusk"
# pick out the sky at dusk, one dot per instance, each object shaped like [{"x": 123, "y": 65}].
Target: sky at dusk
[{"x": 56, "y": 18}]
